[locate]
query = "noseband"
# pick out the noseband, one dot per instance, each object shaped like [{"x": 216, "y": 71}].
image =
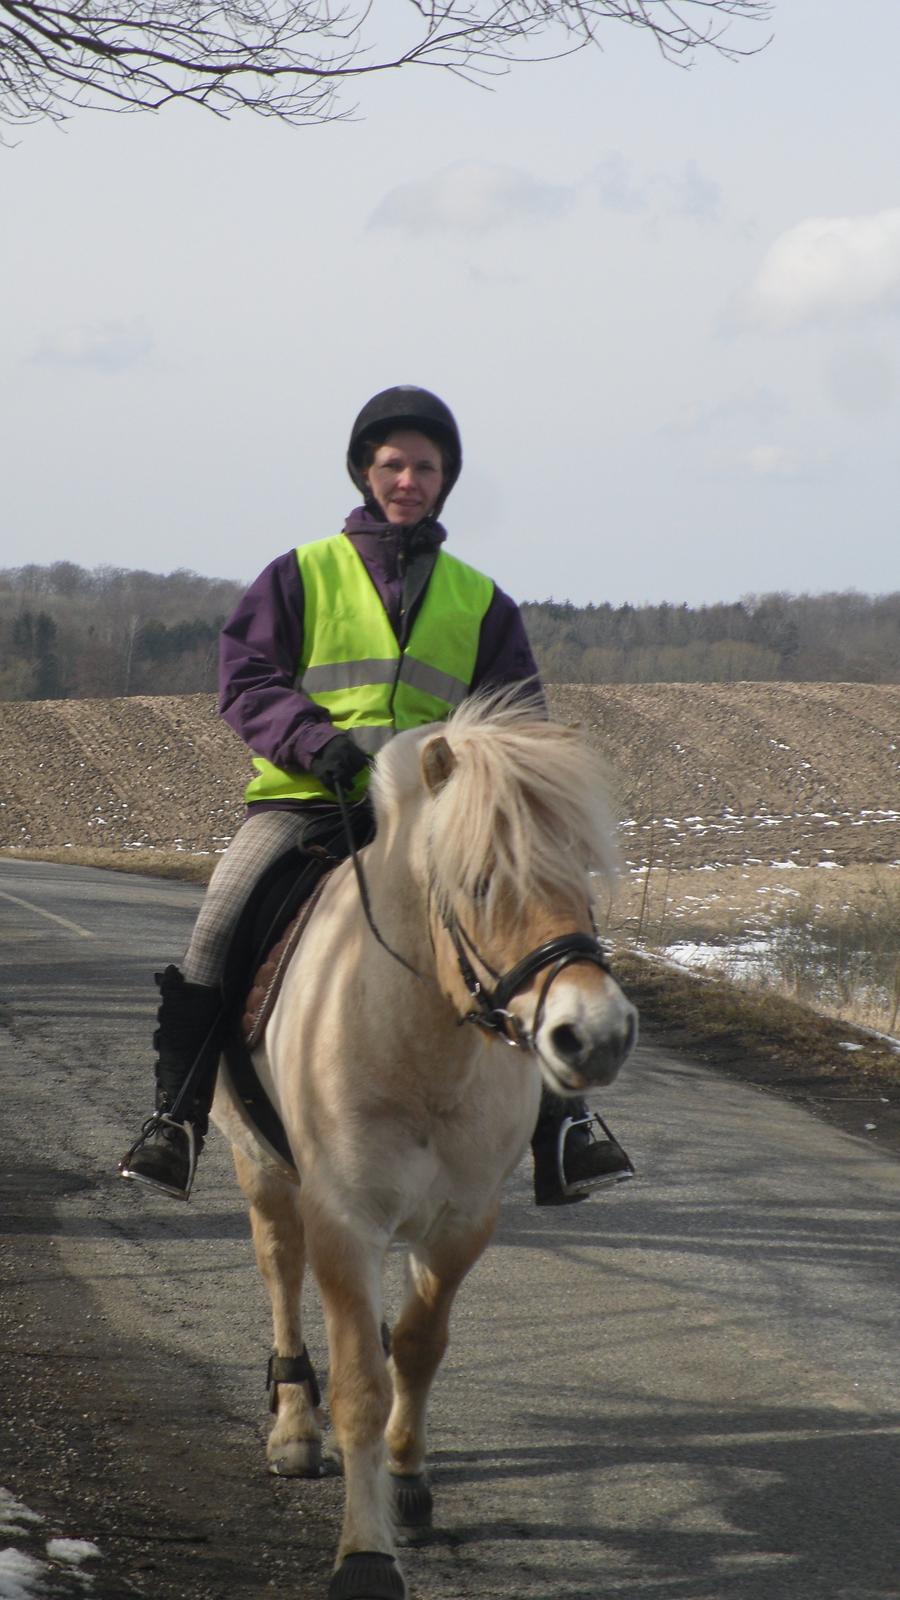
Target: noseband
[{"x": 491, "y": 1009}]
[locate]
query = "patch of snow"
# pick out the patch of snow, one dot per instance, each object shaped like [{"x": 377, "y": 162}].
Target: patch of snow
[
  {"x": 72, "y": 1550},
  {"x": 14, "y": 1516},
  {"x": 21, "y": 1577},
  {"x": 738, "y": 960}
]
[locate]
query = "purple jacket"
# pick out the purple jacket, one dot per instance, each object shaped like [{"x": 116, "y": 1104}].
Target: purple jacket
[{"x": 262, "y": 643}]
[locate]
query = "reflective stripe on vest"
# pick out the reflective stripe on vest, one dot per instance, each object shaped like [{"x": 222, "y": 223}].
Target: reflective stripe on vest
[
  {"x": 356, "y": 674},
  {"x": 352, "y": 663}
]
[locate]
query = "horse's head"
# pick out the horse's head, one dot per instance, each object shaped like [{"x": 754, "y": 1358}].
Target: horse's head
[{"x": 511, "y": 820}]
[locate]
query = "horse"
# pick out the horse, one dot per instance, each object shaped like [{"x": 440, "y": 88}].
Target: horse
[{"x": 465, "y": 928}]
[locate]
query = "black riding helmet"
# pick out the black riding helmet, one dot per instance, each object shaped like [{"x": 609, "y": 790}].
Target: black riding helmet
[{"x": 406, "y": 406}]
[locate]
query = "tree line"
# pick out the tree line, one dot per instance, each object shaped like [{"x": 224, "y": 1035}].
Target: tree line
[
  {"x": 825, "y": 638},
  {"x": 70, "y": 633}
]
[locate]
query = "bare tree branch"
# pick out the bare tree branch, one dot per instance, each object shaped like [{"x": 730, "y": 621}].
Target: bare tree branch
[{"x": 289, "y": 58}]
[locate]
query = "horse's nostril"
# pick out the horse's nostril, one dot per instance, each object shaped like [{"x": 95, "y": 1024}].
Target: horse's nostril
[{"x": 567, "y": 1042}]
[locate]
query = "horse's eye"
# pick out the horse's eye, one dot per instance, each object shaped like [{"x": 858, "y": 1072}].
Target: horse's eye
[{"x": 480, "y": 891}]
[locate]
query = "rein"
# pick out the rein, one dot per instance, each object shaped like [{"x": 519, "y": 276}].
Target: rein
[
  {"x": 491, "y": 1005},
  {"x": 364, "y": 887}
]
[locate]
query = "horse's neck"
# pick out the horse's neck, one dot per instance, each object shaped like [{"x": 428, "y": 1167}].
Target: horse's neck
[
  {"x": 399, "y": 911},
  {"x": 397, "y": 944}
]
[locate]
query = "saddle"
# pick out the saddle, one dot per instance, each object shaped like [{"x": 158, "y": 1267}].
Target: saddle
[{"x": 270, "y": 928}]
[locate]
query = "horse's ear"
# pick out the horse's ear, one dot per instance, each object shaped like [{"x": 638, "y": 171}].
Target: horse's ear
[{"x": 438, "y": 763}]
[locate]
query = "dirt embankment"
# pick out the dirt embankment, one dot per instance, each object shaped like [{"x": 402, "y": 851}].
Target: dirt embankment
[{"x": 702, "y": 774}]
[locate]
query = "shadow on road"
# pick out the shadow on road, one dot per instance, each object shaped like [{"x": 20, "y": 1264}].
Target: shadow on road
[{"x": 742, "y": 1524}]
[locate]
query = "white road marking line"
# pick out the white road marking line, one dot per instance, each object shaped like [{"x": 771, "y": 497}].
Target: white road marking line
[{"x": 50, "y": 915}]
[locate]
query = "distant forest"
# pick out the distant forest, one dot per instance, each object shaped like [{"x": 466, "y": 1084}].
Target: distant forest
[{"x": 66, "y": 632}]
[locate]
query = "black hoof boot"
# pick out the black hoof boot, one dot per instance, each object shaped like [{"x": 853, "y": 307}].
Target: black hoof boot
[
  {"x": 571, "y": 1161},
  {"x": 367, "y": 1575},
  {"x": 413, "y": 1502},
  {"x": 165, "y": 1157}
]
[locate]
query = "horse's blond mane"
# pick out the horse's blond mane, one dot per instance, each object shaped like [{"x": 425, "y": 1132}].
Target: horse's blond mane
[{"x": 524, "y": 813}]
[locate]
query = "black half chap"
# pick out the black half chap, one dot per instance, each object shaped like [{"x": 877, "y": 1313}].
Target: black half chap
[{"x": 553, "y": 1109}]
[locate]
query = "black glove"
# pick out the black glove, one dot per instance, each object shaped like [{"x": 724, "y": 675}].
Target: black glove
[{"x": 338, "y": 762}]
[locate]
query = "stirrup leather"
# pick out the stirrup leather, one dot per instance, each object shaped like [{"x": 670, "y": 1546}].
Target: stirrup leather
[
  {"x": 603, "y": 1180},
  {"x": 151, "y": 1126}
]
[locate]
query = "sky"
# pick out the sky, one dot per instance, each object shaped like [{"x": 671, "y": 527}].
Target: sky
[{"x": 664, "y": 306}]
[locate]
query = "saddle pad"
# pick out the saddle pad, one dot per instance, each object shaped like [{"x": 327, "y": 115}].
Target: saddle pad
[{"x": 267, "y": 983}]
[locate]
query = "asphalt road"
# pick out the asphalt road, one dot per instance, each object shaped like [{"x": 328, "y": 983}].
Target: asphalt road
[{"x": 686, "y": 1390}]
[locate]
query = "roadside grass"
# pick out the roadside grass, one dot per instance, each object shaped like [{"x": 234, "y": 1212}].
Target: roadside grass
[
  {"x": 847, "y": 1075},
  {"x": 828, "y": 937},
  {"x": 846, "y": 964},
  {"x": 713, "y": 1016},
  {"x": 179, "y": 864}
]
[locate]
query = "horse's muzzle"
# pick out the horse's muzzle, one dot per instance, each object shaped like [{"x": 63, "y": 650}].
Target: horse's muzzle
[{"x": 582, "y": 1046}]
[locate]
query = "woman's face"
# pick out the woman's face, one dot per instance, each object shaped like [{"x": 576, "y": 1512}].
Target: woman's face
[{"x": 406, "y": 477}]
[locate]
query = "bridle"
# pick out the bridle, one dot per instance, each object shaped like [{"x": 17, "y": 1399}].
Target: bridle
[
  {"x": 490, "y": 1008},
  {"x": 491, "y": 1004}
]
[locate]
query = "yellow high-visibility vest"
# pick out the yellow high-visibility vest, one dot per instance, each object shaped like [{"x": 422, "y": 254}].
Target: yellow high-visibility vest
[{"x": 352, "y": 663}]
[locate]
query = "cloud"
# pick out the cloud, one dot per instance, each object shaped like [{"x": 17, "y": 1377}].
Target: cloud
[
  {"x": 612, "y": 182},
  {"x": 102, "y": 346},
  {"x": 471, "y": 197},
  {"x": 775, "y": 461},
  {"x": 827, "y": 268},
  {"x": 693, "y": 195},
  {"x": 760, "y": 405},
  {"x": 480, "y": 197},
  {"x": 684, "y": 193}
]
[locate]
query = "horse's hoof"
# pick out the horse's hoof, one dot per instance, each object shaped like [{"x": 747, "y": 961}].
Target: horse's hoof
[
  {"x": 413, "y": 1503},
  {"x": 298, "y": 1458},
  {"x": 367, "y": 1575}
]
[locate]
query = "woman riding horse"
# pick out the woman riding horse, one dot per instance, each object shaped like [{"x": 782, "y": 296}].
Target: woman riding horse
[{"x": 337, "y": 646}]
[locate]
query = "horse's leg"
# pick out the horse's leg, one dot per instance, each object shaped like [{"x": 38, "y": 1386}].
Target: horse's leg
[
  {"x": 348, "y": 1270},
  {"x": 418, "y": 1344},
  {"x": 295, "y": 1443}
]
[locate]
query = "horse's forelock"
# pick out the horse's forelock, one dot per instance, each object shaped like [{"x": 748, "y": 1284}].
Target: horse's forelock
[{"x": 524, "y": 813}]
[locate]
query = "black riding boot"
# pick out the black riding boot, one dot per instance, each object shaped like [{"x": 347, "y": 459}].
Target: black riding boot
[
  {"x": 570, "y": 1160},
  {"x": 187, "y": 1042}
]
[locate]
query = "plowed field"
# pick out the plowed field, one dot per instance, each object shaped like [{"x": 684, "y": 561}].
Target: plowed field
[{"x": 702, "y": 775}]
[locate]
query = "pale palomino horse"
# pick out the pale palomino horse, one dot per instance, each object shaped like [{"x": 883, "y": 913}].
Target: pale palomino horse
[{"x": 404, "y": 1124}]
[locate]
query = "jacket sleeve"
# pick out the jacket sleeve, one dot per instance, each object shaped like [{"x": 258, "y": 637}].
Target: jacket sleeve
[
  {"x": 505, "y": 659},
  {"x": 259, "y": 656}
]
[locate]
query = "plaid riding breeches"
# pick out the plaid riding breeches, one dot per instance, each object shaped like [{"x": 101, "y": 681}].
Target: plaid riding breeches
[{"x": 260, "y": 840}]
